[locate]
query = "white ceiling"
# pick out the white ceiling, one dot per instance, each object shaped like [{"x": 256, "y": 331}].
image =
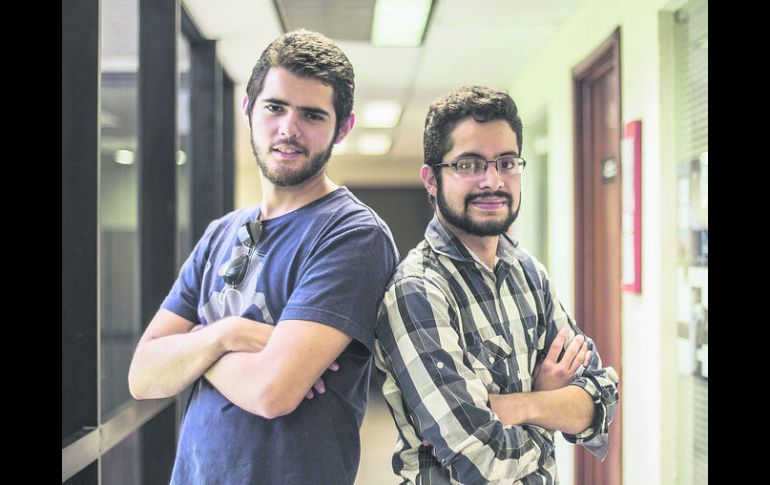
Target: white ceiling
[{"x": 467, "y": 42}]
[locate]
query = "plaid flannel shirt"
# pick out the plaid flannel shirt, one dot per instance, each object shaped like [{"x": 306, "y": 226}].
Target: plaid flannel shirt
[{"x": 449, "y": 333}]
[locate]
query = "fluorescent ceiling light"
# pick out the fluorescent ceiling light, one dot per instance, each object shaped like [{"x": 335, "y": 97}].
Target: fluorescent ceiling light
[
  {"x": 399, "y": 23},
  {"x": 380, "y": 114},
  {"x": 124, "y": 157},
  {"x": 374, "y": 143}
]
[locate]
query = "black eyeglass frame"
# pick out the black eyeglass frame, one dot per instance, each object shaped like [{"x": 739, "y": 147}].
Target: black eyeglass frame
[
  {"x": 518, "y": 162},
  {"x": 235, "y": 271}
]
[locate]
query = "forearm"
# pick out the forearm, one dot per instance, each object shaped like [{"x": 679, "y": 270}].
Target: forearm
[
  {"x": 170, "y": 357},
  {"x": 165, "y": 366},
  {"x": 599, "y": 383},
  {"x": 569, "y": 409},
  {"x": 273, "y": 382},
  {"x": 242, "y": 378}
]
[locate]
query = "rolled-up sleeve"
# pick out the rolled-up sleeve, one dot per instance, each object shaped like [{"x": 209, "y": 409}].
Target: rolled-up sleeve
[
  {"x": 447, "y": 404},
  {"x": 601, "y": 384}
]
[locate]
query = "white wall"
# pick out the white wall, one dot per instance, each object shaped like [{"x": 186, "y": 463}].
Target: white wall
[{"x": 648, "y": 321}]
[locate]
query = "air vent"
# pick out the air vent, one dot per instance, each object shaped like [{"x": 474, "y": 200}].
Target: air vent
[{"x": 336, "y": 19}]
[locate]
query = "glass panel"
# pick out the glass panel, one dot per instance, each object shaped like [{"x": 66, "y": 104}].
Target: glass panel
[
  {"x": 184, "y": 243},
  {"x": 87, "y": 476},
  {"x": 118, "y": 189},
  {"x": 123, "y": 462},
  {"x": 183, "y": 160}
]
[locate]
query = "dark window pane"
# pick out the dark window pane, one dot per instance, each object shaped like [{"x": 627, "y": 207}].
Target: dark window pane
[
  {"x": 183, "y": 160},
  {"x": 119, "y": 253}
]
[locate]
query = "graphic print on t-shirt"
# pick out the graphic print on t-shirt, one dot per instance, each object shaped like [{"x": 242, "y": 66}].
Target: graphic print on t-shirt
[{"x": 236, "y": 301}]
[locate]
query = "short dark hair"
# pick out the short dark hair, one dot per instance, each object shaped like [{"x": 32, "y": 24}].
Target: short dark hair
[
  {"x": 307, "y": 54},
  {"x": 481, "y": 102}
]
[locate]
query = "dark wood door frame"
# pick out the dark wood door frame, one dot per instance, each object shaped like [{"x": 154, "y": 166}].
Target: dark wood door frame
[{"x": 602, "y": 66}]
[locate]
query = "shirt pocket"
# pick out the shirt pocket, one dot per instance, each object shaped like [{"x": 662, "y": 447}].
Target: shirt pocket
[{"x": 490, "y": 361}]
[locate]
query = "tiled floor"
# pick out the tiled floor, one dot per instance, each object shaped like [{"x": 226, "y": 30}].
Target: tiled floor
[{"x": 378, "y": 438}]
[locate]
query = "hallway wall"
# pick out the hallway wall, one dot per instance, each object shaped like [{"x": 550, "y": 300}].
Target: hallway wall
[{"x": 648, "y": 318}]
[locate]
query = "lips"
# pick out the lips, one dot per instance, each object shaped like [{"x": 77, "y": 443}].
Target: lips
[
  {"x": 490, "y": 203},
  {"x": 490, "y": 200},
  {"x": 288, "y": 149}
]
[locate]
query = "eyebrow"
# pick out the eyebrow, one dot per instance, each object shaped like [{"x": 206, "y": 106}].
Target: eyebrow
[
  {"x": 306, "y": 109},
  {"x": 474, "y": 154}
]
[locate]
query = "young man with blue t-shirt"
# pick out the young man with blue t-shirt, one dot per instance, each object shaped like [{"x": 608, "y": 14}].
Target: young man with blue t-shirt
[{"x": 273, "y": 296}]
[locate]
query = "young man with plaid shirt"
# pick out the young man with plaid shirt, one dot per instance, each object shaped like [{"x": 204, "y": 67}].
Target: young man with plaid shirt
[{"x": 481, "y": 362}]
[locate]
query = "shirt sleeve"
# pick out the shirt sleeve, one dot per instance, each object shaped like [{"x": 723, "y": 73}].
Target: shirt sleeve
[
  {"x": 342, "y": 282},
  {"x": 184, "y": 297},
  {"x": 601, "y": 383},
  {"x": 446, "y": 402}
]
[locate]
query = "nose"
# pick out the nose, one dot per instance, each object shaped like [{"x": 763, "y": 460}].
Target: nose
[
  {"x": 491, "y": 180},
  {"x": 288, "y": 125}
]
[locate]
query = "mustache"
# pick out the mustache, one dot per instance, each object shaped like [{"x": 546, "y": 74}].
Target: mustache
[{"x": 499, "y": 193}]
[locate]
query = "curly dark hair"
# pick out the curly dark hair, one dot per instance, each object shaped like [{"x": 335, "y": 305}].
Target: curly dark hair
[
  {"x": 481, "y": 102},
  {"x": 307, "y": 54}
]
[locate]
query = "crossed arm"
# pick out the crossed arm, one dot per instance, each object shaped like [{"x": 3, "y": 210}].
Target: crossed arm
[
  {"x": 555, "y": 405},
  {"x": 279, "y": 376},
  {"x": 253, "y": 364}
]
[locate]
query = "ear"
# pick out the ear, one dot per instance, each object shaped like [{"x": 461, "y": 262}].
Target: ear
[
  {"x": 245, "y": 105},
  {"x": 428, "y": 177},
  {"x": 345, "y": 128}
]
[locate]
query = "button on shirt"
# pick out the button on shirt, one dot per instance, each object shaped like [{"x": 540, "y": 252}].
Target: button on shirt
[{"x": 451, "y": 331}]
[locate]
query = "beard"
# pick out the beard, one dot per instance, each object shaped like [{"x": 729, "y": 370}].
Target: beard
[
  {"x": 307, "y": 171},
  {"x": 465, "y": 222}
]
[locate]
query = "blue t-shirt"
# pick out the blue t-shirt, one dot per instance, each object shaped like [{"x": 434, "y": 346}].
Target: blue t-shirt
[{"x": 327, "y": 262}]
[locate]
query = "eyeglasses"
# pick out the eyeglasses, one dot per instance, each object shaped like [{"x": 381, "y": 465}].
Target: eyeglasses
[
  {"x": 249, "y": 235},
  {"x": 475, "y": 166}
]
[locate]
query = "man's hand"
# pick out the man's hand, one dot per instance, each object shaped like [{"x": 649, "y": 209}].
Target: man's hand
[
  {"x": 239, "y": 334},
  {"x": 553, "y": 373},
  {"x": 319, "y": 385}
]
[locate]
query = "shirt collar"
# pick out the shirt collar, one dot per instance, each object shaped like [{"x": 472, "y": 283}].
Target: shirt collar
[{"x": 442, "y": 241}]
